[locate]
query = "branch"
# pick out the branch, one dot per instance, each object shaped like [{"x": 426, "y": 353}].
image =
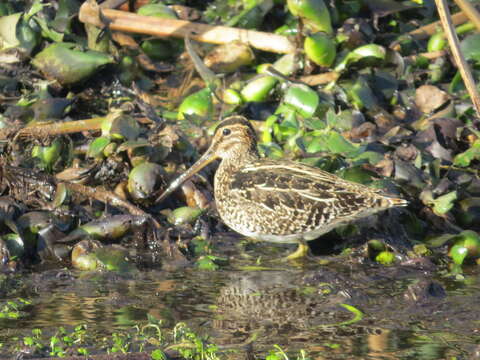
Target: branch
[
  {"x": 470, "y": 12},
  {"x": 430, "y": 29},
  {"x": 467, "y": 77},
  {"x": 129, "y": 22}
]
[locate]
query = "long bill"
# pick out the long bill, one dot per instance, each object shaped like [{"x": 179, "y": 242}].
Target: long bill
[{"x": 206, "y": 159}]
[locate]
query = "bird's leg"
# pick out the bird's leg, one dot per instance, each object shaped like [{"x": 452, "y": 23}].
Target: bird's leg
[{"x": 302, "y": 251}]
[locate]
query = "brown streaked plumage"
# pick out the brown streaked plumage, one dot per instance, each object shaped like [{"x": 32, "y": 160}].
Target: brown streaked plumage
[{"x": 277, "y": 200}]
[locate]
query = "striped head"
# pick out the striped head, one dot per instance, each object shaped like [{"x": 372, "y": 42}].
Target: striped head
[{"x": 234, "y": 138}]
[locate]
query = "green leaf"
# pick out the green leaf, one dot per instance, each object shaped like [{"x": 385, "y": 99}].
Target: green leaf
[
  {"x": 385, "y": 258},
  {"x": 372, "y": 51},
  {"x": 458, "y": 253},
  {"x": 337, "y": 144},
  {"x": 95, "y": 149},
  {"x": 470, "y": 47},
  {"x": 158, "y": 355},
  {"x": 444, "y": 203},
  {"x": 207, "y": 262},
  {"x": 61, "y": 62},
  {"x": 464, "y": 159},
  {"x": 303, "y": 99},
  {"x": 362, "y": 95}
]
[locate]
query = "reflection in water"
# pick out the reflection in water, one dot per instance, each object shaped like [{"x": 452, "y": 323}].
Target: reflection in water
[{"x": 297, "y": 309}]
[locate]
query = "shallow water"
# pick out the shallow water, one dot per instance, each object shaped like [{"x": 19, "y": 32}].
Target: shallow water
[{"x": 409, "y": 311}]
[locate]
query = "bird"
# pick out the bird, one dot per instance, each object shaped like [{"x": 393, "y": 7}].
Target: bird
[{"x": 278, "y": 201}]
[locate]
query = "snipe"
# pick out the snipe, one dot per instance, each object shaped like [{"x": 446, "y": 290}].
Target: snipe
[{"x": 276, "y": 200}]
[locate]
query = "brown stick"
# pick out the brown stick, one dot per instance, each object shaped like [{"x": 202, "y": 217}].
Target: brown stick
[
  {"x": 40, "y": 130},
  {"x": 108, "y": 197},
  {"x": 430, "y": 29},
  {"x": 124, "y": 21},
  {"x": 449, "y": 30},
  {"x": 428, "y": 55},
  {"x": 470, "y": 12},
  {"x": 320, "y": 79}
]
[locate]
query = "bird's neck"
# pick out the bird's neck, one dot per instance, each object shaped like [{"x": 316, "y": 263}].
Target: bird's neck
[
  {"x": 229, "y": 166},
  {"x": 239, "y": 160}
]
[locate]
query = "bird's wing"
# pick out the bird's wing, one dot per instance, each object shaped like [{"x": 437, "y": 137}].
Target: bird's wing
[{"x": 277, "y": 184}]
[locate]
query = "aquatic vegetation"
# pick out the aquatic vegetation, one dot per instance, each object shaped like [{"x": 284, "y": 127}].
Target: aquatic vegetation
[{"x": 101, "y": 109}]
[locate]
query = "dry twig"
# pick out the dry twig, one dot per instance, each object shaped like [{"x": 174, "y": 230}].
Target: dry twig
[
  {"x": 467, "y": 77},
  {"x": 129, "y": 22},
  {"x": 430, "y": 29},
  {"x": 469, "y": 10}
]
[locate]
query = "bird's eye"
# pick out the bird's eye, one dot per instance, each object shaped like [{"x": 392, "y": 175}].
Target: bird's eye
[{"x": 226, "y": 132}]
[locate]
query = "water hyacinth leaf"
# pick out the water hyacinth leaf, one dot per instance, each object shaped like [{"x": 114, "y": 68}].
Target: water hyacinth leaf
[
  {"x": 443, "y": 204},
  {"x": 304, "y": 99},
  {"x": 369, "y": 51},
  {"x": 374, "y": 248},
  {"x": 321, "y": 49},
  {"x": 437, "y": 42},
  {"x": 287, "y": 64},
  {"x": 470, "y": 240},
  {"x": 456, "y": 84},
  {"x": 96, "y": 147},
  {"x": 252, "y": 15},
  {"x": 8, "y": 35},
  {"x": 48, "y": 155},
  {"x": 114, "y": 258},
  {"x": 469, "y": 213},
  {"x": 439, "y": 241},
  {"x": 316, "y": 143},
  {"x": 458, "y": 253},
  {"x": 184, "y": 215},
  {"x": 258, "y": 88},
  {"x": 50, "y": 108},
  {"x": 385, "y": 258},
  {"x": 63, "y": 63},
  {"x": 232, "y": 97},
  {"x": 157, "y": 49},
  {"x": 15, "y": 32},
  {"x": 361, "y": 95},
  {"x": 371, "y": 157},
  {"x": 207, "y": 262},
  {"x": 61, "y": 195},
  {"x": 63, "y": 16},
  {"x": 270, "y": 121},
  {"x": 83, "y": 257},
  {"x": 314, "y": 14},
  {"x": 271, "y": 150},
  {"x": 385, "y": 83},
  {"x": 15, "y": 245},
  {"x": 337, "y": 144},
  {"x": 315, "y": 124},
  {"x": 47, "y": 31},
  {"x": 356, "y": 174},
  {"x": 133, "y": 144},
  {"x": 470, "y": 47},
  {"x": 464, "y": 159},
  {"x": 197, "y": 106},
  {"x": 85, "y": 262},
  {"x": 124, "y": 127},
  {"x": 157, "y": 10},
  {"x": 145, "y": 179}
]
